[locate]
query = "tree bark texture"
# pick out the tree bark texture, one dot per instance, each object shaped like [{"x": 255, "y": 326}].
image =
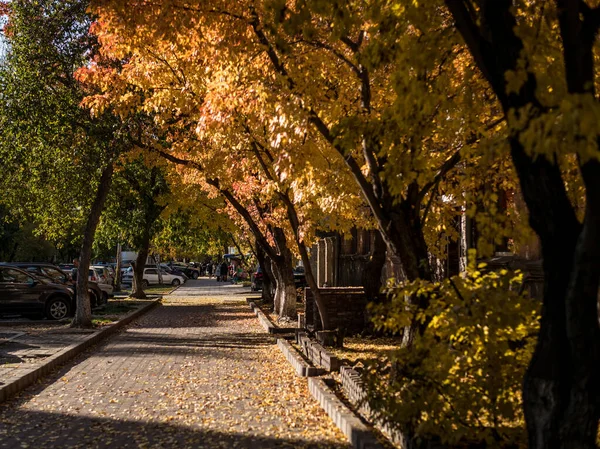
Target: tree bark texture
[
  {"x": 83, "y": 312},
  {"x": 138, "y": 269},
  {"x": 265, "y": 263},
  {"x": 371, "y": 278},
  {"x": 285, "y": 291},
  {"x": 560, "y": 389}
]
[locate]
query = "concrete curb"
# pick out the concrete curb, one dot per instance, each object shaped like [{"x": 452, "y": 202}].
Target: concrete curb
[
  {"x": 359, "y": 435},
  {"x": 267, "y": 325},
  {"x": 60, "y": 358},
  {"x": 316, "y": 353},
  {"x": 303, "y": 369}
]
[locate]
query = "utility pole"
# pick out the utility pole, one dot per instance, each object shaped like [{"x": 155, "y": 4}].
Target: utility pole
[{"x": 118, "y": 273}]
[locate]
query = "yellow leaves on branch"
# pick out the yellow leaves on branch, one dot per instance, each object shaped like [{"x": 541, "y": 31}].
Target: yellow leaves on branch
[{"x": 465, "y": 370}]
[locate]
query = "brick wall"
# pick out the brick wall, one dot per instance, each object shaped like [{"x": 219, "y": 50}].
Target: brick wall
[{"x": 345, "y": 306}]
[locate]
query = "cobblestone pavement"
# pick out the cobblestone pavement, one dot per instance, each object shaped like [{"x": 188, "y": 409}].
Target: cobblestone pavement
[
  {"x": 26, "y": 346},
  {"x": 210, "y": 287},
  {"x": 195, "y": 372}
]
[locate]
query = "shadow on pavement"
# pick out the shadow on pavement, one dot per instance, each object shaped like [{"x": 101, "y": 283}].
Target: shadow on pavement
[
  {"x": 26, "y": 428},
  {"x": 185, "y": 315},
  {"x": 202, "y": 344}
]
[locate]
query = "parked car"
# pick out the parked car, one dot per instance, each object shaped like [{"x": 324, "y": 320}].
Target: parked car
[
  {"x": 150, "y": 277},
  {"x": 58, "y": 276},
  {"x": 25, "y": 293},
  {"x": 66, "y": 267},
  {"x": 107, "y": 273},
  {"x": 192, "y": 271},
  {"x": 104, "y": 283},
  {"x": 175, "y": 269}
]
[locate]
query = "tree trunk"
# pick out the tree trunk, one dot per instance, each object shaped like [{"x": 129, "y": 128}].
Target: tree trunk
[
  {"x": 265, "y": 264},
  {"x": 83, "y": 312},
  {"x": 138, "y": 269},
  {"x": 560, "y": 392},
  {"x": 310, "y": 278},
  {"x": 268, "y": 292},
  {"x": 156, "y": 259},
  {"x": 118, "y": 269},
  {"x": 371, "y": 278},
  {"x": 285, "y": 290}
]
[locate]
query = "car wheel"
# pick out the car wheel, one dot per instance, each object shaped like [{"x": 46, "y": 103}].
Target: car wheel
[
  {"x": 58, "y": 308},
  {"x": 195, "y": 275},
  {"x": 144, "y": 283},
  {"x": 175, "y": 282}
]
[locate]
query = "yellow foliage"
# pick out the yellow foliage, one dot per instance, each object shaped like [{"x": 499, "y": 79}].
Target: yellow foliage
[{"x": 461, "y": 378}]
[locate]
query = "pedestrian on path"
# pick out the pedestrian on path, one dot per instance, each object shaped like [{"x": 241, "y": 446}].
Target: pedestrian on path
[{"x": 224, "y": 270}]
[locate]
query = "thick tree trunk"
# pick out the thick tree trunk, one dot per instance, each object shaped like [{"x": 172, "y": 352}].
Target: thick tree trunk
[
  {"x": 560, "y": 392},
  {"x": 138, "y": 269},
  {"x": 405, "y": 239},
  {"x": 83, "y": 313},
  {"x": 285, "y": 290},
  {"x": 268, "y": 292},
  {"x": 371, "y": 278},
  {"x": 265, "y": 264}
]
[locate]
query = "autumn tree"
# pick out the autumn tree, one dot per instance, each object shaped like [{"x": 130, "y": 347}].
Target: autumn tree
[
  {"x": 50, "y": 144},
  {"x": 137, "y": 199},
  {"x": 539, "y": 59}
]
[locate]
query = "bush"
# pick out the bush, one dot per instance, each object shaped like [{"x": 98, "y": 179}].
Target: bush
[{"x": 460, "y": 380}]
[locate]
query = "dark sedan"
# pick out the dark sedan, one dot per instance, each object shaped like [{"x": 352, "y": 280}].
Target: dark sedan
[
  {"x": 24, "y": 293},
  {"x": 58, "y": 276}
]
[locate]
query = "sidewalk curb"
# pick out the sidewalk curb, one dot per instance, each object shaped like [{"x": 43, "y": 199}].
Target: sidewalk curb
[
  {"x": 10, "y": 389},
  {"x": 267, "y": 325},
  {"x": 359, "y": 435},
  {"x": 303, "y": 369}
]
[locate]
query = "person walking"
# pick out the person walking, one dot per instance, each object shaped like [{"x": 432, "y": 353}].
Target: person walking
[
  {"x": 224, "y": 270},
  {"x": 209, "y": 270}
]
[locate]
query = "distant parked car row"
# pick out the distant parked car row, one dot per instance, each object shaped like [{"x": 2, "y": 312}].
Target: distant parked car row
[
  {"x": 34, "y": 289},
  {"x": 258, "y": 276},
  {"x": 150, "y": 276}
]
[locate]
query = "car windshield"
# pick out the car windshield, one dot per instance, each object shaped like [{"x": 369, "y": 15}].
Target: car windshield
[{"x": 54, "y": 274}]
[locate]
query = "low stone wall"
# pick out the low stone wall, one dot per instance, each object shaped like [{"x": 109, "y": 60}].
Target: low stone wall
[
  {"x": 267, "y": 325},
  {"x": 345, "y": 305},
  {"x": 354, "y": 390},
  {"x": 316, "y": 353},
  {"x": 302, "y": 367},
  {"x": 359, "y": 435}
]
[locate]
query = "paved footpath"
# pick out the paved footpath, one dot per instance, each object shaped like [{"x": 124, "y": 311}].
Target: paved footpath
[{"x": 195, "y": 372}]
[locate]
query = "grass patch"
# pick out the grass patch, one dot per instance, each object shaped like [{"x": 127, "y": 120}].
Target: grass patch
[
  {"x": 118, "y": 308},
  {"x": 153, "y": 290},
  {"x": 101, "y": 322}
]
